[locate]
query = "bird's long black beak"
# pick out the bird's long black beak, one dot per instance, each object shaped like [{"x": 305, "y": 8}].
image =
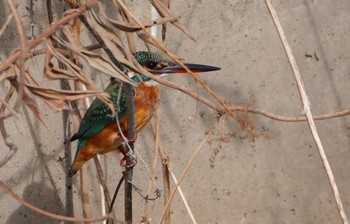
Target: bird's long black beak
[{"x": 175, "y": 68}]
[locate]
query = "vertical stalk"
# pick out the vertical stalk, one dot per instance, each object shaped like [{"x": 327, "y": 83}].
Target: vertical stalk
[{"x": 129, "y": 152}]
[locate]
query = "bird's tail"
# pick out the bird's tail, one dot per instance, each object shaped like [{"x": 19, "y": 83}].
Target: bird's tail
[{"x": 79, "y": 160}]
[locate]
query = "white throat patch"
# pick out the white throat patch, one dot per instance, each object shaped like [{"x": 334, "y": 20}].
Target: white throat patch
[{"x": 151, "y": 83}]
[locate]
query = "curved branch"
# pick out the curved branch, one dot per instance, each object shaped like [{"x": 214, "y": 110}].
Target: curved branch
[
  {"x": 22, "y": 54},
  {"x": 302, "y": 117},
  {"x": 265, "y": 113}
]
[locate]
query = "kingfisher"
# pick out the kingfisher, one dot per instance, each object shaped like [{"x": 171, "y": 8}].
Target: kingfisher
[{"x": 99, "y": 132}]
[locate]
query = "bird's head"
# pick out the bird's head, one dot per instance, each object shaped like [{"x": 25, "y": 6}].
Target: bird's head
[{"x": 158, "y": 65}]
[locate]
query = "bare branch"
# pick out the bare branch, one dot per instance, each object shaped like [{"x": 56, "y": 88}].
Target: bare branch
[
  {"x": 22, "y": 54},
  {"x": 8, "y": 141},
  {"x": 182, "y": 175},
  {"x": 6, "y": 23},
  {"x": 306, "y": 104}
]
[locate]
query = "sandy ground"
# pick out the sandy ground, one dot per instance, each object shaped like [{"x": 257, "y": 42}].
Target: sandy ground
[{"x": 276, "y": 178}]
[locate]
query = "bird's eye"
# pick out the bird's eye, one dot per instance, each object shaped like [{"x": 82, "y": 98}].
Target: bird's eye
[{"x": 150, "y": 64}]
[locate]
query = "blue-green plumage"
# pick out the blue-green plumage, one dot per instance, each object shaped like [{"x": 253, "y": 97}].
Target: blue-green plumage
[
  {"x": 99, "y": 115},
  {"x": 98, "y": 132}
]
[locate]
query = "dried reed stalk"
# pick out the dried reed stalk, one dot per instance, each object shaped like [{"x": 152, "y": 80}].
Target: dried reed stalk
[{"x": 306, "y": 105}]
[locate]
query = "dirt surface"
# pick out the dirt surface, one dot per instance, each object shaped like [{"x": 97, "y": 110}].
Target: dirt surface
[{"x": 275, "y": 176}]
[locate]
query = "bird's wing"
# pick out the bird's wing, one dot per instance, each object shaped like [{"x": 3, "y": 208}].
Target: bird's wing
[{"x": 99, "y": 115}]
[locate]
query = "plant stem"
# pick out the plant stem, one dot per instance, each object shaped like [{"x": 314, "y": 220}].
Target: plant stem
[{"x": 129, "y": 152}]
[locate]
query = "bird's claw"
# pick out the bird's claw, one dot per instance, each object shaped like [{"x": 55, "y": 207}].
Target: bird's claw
[
  {"x": 132, "y": 158},
  {"x": 132, "y": 162}
]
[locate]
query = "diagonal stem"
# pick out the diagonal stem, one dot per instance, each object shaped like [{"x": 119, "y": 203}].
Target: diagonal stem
[{"x": 307, "y": 110}]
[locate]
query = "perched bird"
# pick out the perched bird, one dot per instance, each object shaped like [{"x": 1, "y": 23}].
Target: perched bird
[{"x": 98, "y": 131}]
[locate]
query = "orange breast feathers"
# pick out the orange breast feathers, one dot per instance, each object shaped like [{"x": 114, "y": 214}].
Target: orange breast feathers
[
  {"x": 146, "y": 102},
  {"x": 109, "y": 138}
]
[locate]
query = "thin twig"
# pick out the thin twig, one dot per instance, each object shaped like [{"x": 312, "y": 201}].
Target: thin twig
[
  {"x": 6, "y": 23},
  {"x": 265, "y": 113},
  {"x": 8, "y": 106},
  {"x": 154, "y": 163},
  {"x": 183, "y": 173},
  {"x": 22, "y": 54},
  {"x": 182, "y": 195},
  {"x": 167, "y": 171},
  {"x": 129, "y": 35},
  {"x": 116, "y": 193},
  {"x": 167, "y": 191},
  {"x": 8, "y": 141},
  {"x": 102, "y": 182},
  {"x": 84, "y": 189},
  {"x": 299, "y": 118},
  {"x": 307, "y": 110}
]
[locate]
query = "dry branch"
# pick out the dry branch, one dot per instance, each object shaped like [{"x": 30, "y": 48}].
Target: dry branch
[
  {"x": 182, "y": 175},
  {"x": 306, "y": 105}
]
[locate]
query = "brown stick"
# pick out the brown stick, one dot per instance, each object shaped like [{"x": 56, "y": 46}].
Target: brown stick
[
  {"x": 22, "y": 54},
  {"x": 184, "y": 171},
  {"x": 8, "y": 141},
  {"x": 102, "y": 182},
  {"x": 165, "y": 168}
]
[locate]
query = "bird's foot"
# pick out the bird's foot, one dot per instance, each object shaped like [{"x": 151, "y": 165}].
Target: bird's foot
[
  {"x": 132, "y": 163},
  {"x": 132, "y": 158}
]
